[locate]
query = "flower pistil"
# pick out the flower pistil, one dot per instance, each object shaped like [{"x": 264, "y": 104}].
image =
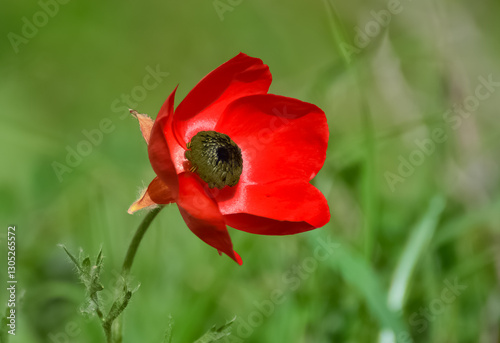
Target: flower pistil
[{"x": 215, "y": 158}]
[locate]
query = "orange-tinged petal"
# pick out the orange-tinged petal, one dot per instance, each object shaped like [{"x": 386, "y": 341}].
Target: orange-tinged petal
[
  {"x": 146, "y": 124},
  {"x": 156, "y": 193}
]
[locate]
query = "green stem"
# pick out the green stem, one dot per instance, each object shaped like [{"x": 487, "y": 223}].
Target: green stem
[
  {"x": 136, "y": 240},
  {"x": 113, "y": 333}
]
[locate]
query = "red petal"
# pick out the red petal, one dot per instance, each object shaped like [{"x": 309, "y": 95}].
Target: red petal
[
  {"x": 280, "y": 137},
  {"x": 156, "y": 193},
  {"x": 200, "y": 110},
  {"x": 287, "y": 200},
  {"x": 265, "y": 226},
  {"x": 203, "y": 217},
  {"x": 158, "y": 150}
]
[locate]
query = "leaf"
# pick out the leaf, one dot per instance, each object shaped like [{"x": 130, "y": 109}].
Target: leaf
[
  {"x": 214, "y": 334},
  {"x": 90, "y": 276},
  {"x": 95, "y": 287},
  {"x": 86, "y": 265},
  {"x": 417, "y": 244},
  {"x": 357, "y": 273},
  {"x": 98, "y": 261},
  {"x": 72, "y": 258},
  {"x": 119, "y": 305}
]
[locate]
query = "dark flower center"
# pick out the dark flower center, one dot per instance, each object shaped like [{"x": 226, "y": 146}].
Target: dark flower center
[{"x": 215, "y": 158}]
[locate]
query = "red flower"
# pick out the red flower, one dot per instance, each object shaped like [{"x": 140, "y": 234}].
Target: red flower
[{"x": 231, "y": 154}]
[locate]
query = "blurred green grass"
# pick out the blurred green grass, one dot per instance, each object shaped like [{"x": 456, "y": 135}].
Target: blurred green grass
[{"x": 429, "y": 58}]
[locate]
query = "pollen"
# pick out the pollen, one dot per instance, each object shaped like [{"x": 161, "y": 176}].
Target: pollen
[{"x": 215, "y": 158}]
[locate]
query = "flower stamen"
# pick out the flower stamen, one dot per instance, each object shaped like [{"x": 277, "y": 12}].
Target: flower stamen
[{"x": 215, "y": 158}]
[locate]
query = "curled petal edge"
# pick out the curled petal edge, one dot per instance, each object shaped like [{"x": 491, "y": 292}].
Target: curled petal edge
[{"x": 157, "y": 193}]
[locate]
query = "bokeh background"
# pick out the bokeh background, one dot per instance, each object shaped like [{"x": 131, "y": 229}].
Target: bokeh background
[{"x": 412, "y": 251}]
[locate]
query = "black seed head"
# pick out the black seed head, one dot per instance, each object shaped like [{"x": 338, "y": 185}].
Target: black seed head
[{"x": 215, "y": 158}]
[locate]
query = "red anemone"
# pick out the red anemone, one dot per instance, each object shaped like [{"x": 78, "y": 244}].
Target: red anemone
[{"x": 282, "y": 145}]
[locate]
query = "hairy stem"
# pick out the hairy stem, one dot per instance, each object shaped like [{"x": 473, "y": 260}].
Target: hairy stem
[
  {"x": 113, "y": 333},
  {"x": 136, "y": 240}
]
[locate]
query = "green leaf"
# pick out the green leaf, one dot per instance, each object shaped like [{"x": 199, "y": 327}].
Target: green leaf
[
  {"x": 357, "y": 273},
  {"x": 417, "y": 244},
  {"x": 214, "y": 334},
  {"x": 72, "y": 258},
  {"x": 86, "y": 265},
  {"x": 99, "y": 262},
  {"x": 95, "y": 287},
  {"x": 119, "y": 305}
]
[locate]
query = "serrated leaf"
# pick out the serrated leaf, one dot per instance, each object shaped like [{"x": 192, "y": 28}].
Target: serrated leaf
[
  {"x": 72, "y": 258},
  {"x": 96, "y": 287},
  {"x": 98, "y": 260},
  {"x": 86, "y": 265},
  {"x": 119, "y": 305},
  {"x": 214, "y": 334},
  {"x": 95, "y": 274}
]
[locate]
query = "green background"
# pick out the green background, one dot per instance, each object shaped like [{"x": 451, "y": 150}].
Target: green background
[{"x": 396, "y": 249}]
